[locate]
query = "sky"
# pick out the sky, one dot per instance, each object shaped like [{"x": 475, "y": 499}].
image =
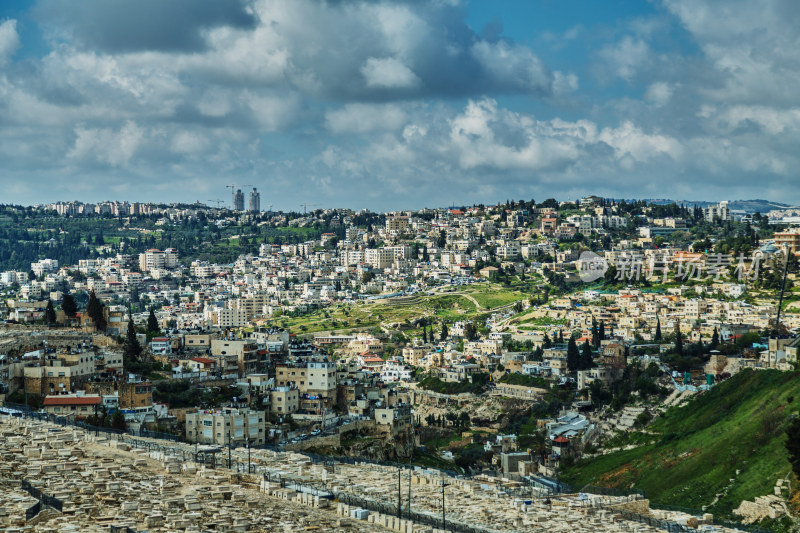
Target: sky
[{"x": 392, "y": 105}]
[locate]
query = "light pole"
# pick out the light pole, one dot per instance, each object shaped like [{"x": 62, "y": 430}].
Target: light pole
[
  {"x": 399, "y": 501},
  {"x": 248, "y": 455},
  {"x": 410, "y": 469},
  {"x": 444, "y": 521}
]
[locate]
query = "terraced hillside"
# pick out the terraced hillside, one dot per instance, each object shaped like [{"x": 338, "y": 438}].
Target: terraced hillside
[{"x": 696, "y": 450}]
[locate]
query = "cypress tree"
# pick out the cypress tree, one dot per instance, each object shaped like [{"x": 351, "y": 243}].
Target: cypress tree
[
  {"x": 714, "y": 340},
  {"x": 658, "y": 330},
  {"x": 586, "y": 360},
  {"x": 50, "y": 313},
  {"x": 547, "y": 343},
  {"x": 443, "y": 336},
  {"x": 95, "y": 311},
  {"x": 131, "y": 349},
  {"x": 573, "y": 355},
  {"x": 69, "y": 306},
  {"x": 152, "y": 322}
]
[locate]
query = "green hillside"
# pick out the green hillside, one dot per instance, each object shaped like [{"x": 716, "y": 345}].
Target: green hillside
[{"x": 697, "y": 448}]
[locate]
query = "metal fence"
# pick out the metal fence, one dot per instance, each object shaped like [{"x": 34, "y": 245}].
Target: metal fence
[
  {"x": 419, "y": 518},
  {"x": 654, "y": 522},
  {"x": 612, "y": 491},
  {"x": 121, "y": 529},
  {"x": 32, "y": 511},
  {"x": 44, "y": 499}
]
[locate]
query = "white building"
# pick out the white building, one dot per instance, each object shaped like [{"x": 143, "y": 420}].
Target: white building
[
  {"x": 717, "y": 212},
  {"x": 154, "y": 259},
  {"x": 226, "y": 426}
]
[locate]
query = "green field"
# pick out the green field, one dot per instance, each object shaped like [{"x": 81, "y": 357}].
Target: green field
[
  {"x": 442, "y": 306},
  {"x": 494, "y": 295},
  {"x": 404, "y": 311},
  {"x": 697, "y": 448}
]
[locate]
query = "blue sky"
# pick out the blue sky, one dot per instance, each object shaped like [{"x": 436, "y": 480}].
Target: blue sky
[{"x": 398, "y": 104}]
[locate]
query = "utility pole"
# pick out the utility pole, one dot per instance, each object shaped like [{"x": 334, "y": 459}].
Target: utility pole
[
  {"x": 408, "y": 507},
  {"x": 248, "y": 456},
  {"x": 229, "y": 448},
  {"x": 399, "y": 500},
  {"x": 444, "y": 521}
]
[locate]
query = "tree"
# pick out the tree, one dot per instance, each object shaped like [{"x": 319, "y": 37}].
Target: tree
[
  {"x": 50, "y": 313},
  {"x": 573, "y": 355},
  {"x": 595, "y": 333},
  {"x": 131, "y": 349},
  {"x": 424, "y": 335},
  {"x": 470, "y": 332},
  {"x": 793, "y": 444},
  {"x": 443, "y": 336},
  {"x": 602, "y": 330},
  {"x": 547, "y": 343},
  {"x": 714, "y": 340},
  {"x": 586, "y": 361},
  {"x": 657, "y": 337},
  {"x": 69, "y": 306},
  {"x": 95, "y": 311},
  {"x": 152, "y": 322},
  {"x": 678, "y": 341},
  {"x": 118, "y": 420}
]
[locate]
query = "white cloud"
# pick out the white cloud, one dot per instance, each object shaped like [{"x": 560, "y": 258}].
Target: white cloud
[
  {"x": 9, "y": 40},
  {"x": 659, "y": 93},
  {"x": 271, "y": 112},
  {"x": 513, "y": 66},
  {"x": 186, "y": 142},
  {"x": 106, "y": 146},
  {"x": 361, "y": 118},
  {"x": 625, "y": 57},
  {"x": 388, "y": 73},
  {"x": 564, "y": 83},
  {"x": 630, "y": 141}
]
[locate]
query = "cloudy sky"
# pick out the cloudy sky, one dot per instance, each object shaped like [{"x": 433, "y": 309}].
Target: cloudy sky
[{"x": 398, "y": 104}]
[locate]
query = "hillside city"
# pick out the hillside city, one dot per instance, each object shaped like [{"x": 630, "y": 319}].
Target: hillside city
[{"x": 577, "y": 364}]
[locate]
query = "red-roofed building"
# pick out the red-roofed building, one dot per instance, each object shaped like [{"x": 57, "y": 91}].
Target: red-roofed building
[
  {"x": 561, "y": 446},
  {"x": 203, "y": 363},
  {"x": 72, "y": 404},
  {"x": 370, "y": 361}
]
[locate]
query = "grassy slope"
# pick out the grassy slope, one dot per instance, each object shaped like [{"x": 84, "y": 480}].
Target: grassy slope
[{"x": 703, "y": 443}]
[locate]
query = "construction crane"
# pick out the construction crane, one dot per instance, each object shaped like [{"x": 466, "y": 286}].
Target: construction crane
[
  {"x": 218, "y": 202},
  {"x": 233, "y": 188},
  {"x": 306, "y": 205}
]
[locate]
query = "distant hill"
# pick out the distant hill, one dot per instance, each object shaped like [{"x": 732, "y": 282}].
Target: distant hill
[
  {"x": 746, "y": 206},
  {"x": 697, "y": 449}
]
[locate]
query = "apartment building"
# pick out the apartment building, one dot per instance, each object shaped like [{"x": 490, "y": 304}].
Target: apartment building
[
  {"x": 156, "y": 259},
  {"x": 226, "y": 426}
]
